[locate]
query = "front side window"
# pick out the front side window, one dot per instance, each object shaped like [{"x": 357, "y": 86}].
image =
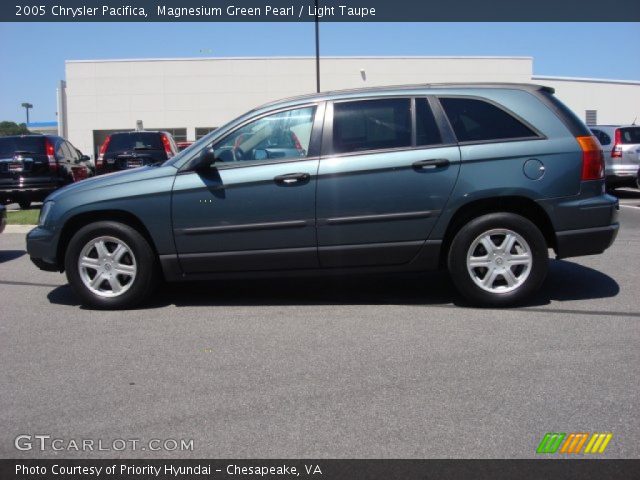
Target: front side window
[
  {"x": 371, "y": 125},
  {"x": 282, "y": 135},
  {"x": 476, "y": 120}
]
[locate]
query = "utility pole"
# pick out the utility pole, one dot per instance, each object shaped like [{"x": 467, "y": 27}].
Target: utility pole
[
  {"x": 317, "y": 21},
  {"x": 27, "y": 106}
]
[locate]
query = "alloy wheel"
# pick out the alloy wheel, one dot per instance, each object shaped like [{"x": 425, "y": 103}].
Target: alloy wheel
[{"x": 107, "y": 266}]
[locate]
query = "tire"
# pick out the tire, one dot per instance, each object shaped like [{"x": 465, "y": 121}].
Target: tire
[
  {"x": 128, "y": 267},
  {"x": 517, "y": 272},
  {"x": 24, "y": 203}
]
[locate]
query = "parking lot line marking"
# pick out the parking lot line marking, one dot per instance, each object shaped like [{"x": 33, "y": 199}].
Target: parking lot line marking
[{"x": 29, "y": 284}]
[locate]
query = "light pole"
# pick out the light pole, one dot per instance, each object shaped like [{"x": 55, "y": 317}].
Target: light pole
[
  {"x": 27, "y": 106},
  {"x": 317, "y": 21}
]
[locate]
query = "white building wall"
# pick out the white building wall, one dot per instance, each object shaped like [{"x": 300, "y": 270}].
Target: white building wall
[
  {"x": 207, "y": 92},
  {"x": 617, "y": 102},
  {"x": 191, "y": 93}
]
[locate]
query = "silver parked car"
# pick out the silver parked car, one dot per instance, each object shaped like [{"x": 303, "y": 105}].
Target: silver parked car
[{"x": 621, "y": 147}]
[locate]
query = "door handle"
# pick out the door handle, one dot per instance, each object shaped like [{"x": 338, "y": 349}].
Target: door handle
[
  {"x": 430, "y": 163},
  {"x": 292, "y": 178}
]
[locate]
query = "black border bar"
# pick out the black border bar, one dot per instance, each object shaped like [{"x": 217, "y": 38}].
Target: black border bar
[
  {"x": 543, "y": 469},
  {"x": 329, "y": 11}
]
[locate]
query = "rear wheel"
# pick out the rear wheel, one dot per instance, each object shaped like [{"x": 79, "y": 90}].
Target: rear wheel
[
  {"x": 24, "y": 203},
  {"x": 110, "y": 265},
  {"x": 498, "y": 259}
]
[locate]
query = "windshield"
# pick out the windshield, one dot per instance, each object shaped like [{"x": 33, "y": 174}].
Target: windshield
[
  {"x": 11, "y": 145},
  {"x": 135, "y": 141}
]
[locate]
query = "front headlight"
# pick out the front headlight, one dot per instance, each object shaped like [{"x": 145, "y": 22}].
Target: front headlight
[{"x": 44, "y": 213}]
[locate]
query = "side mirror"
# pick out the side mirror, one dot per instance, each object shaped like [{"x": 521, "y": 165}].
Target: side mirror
[
  {"x": 85, "y": 158},
  {"x": 206, "y": 161}
]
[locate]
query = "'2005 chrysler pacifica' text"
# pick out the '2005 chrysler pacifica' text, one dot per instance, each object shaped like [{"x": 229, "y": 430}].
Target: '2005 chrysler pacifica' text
[{"x": 480, "y": 179}]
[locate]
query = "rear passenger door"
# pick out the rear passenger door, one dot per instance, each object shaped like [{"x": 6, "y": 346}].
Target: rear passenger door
[{"x": 386, "y": 172}]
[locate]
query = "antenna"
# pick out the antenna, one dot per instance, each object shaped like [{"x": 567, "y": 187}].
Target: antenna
[{"x": 634, "y": 121}]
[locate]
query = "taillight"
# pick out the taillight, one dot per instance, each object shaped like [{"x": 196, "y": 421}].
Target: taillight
[
  {"x": 592, "y": 158},
  {"x": 616, "y": 151},
  {"x": 167, "y": 146},
  {"x": 103, "y": 149},
  {"x": 53, "y": 165}
]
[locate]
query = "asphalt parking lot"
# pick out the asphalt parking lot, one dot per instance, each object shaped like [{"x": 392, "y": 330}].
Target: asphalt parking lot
[{"x": 385, "y": 367}]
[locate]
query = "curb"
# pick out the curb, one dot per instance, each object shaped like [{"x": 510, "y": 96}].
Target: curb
[{"x": 18, "y": 228}]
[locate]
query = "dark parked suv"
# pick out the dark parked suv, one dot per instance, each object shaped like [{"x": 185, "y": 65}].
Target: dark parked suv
[
  {"x": 125, "y": 150},
  {"x": 480, "y": 179},
  {"x": 33, "y": 166}
]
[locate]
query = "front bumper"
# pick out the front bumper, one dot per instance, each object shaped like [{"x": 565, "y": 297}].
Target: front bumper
[{"x": 41, "y": 247}]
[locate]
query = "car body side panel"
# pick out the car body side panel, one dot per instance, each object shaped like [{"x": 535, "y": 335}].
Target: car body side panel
[
  {"x": 218, "y": 216},
  {"x": 380, "y": 198}
]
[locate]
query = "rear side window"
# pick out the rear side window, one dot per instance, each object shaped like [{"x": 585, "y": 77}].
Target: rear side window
[
  {"x": 135, "y": 141},
  {"x": 11, "y": 145},
  {"x": 371, "y": 125},
  {"x": 602, "y": 137},
  {"x": 630, "y": 135},
  {"x": 476, "y": 120},
  {"x": 427, "y": 131}
]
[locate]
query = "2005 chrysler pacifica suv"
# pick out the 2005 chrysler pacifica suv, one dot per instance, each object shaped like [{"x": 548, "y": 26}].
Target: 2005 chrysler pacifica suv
[{"x": 481, "y": 179}]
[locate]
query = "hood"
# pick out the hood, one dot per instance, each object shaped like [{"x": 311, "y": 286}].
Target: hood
[{"x": 116, "y": 178}]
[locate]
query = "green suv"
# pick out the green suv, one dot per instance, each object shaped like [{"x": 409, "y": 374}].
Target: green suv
[{"x": 479, "y": 179}]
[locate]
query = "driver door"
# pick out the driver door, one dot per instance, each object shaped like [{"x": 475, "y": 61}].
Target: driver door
[{"x": 254, "y": 209}]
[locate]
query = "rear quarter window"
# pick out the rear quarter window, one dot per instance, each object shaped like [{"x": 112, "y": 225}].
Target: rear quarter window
[{"x": 475, "y": 120}]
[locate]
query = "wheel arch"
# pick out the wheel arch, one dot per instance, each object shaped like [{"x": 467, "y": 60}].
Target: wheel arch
[
  {"x": 76, "y": 222},
  {"x": 518, "y": 205}
]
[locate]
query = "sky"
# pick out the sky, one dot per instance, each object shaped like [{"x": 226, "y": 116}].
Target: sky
[{"x": 33, "y": 55}]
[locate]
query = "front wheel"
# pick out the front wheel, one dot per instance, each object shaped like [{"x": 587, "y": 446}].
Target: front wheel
[
  {"x": 498, "y": 259},
  {"x": 110, "y": 265}
]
